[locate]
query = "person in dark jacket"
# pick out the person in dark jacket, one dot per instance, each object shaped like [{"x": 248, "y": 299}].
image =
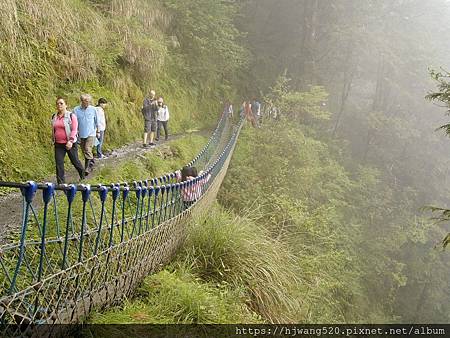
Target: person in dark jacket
[{"x": 149, "y": 110}]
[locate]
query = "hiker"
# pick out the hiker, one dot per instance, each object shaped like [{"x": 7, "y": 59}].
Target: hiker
[
  {"x": 228, "y": 109},
  {"x": 163, "y": 119},
  {"x": 101, "y": 120},
  {"x": 248, "y": 113},
  {"x": 87, "y": 129},
  {"x": 256, "y": 111},
  {"x": 64, "y": 131},
  {"x": 149, "y": 110},
  {"x": 191, "y": 193}
]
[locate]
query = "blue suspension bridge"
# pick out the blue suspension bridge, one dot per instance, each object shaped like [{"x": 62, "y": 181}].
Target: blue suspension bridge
[{"x": 82, "y": 247}]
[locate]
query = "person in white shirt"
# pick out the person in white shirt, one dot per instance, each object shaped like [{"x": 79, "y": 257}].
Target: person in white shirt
[
  {"x": 228, "y": 109},
  {"x": 162, "y": 118},
  {"x": 101, "y": 121}
]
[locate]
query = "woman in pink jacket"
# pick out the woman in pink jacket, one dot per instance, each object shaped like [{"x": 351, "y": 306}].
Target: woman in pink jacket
[{"x": 65, "y": 127}]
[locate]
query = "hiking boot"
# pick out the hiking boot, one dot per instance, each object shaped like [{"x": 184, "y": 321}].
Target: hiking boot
[
  {"x": 152, "y": 145},
  {"x": 144, "y": 145},
  {"x": 86, "y": 168}
]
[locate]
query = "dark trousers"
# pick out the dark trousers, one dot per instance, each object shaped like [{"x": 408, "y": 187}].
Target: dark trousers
[
  {"x": 60, "y": 153},
  {"x": 166, "y": 129}
]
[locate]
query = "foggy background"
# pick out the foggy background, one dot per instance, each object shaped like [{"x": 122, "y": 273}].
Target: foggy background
[{"x": 373, "y": 57}]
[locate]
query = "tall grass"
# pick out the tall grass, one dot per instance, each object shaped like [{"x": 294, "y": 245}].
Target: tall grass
[
  {"x": 224, "y": 248},
  {"x": 178, "y": 297}
]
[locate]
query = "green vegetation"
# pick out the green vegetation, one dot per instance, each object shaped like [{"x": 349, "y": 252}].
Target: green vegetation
[
  {"x": 365, "y": 254},
  {"x": 177, "y": 297},
  {"x": 235, "y": 252},
  {"x": 442, "y": 96}
]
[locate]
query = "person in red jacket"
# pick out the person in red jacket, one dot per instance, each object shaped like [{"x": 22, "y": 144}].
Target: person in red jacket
[
  {"x": 248, "y": 113},
  {"x": 64, "y": 130}
]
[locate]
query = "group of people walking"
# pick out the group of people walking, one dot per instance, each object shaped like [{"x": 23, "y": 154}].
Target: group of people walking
[
  {"x": 156, "y": 118},
  {"x": 85, "y": 126},
  {"x": 251, "y": 110}
]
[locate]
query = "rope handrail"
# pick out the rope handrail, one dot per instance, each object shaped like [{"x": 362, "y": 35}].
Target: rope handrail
[{"x": 56, "y": 266}]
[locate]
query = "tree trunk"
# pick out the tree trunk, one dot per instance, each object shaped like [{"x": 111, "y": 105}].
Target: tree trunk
[
  {"x": 348, "y": 79},
  {"x": 309, "y": 29},
  {"x": 368, "y": 142},
  {"x": 379, "y": 87}
]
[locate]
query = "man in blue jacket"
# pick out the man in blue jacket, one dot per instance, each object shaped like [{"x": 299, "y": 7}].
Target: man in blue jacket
[{"x": 88, "y": 129}]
